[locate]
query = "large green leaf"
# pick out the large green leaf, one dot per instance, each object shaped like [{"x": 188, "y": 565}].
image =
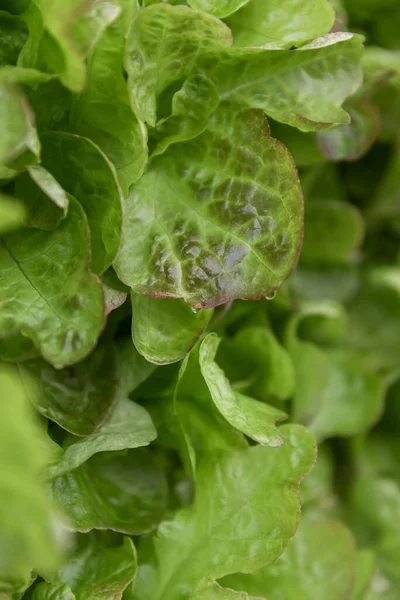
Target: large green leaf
[
  {"x": 123, "y": 492},
  {"x": 85, "y": 172},
  {"x": 255, "y": 419},
  {"x": 163, "y": 45},
  {"x": 218, "y": 8},
  {"x": 319, "y": 562},
  {"x": 78, "y": 398},
  {"x": 102, "y": 112},
  {"x": 97, "y": 571},
  {"x": 164, "y": 331},
  {"x": 211, "y": 220},
  {"x": 45, "y": 200},
  {"x": 304, "y": 88},
  {"x": 129, "y": 426},
  {"x": 26, "y": 527},
  {"x": 281, "y": 23},
  {"x": 246, "y": 500},
  {"x": 61, "y": 311}
]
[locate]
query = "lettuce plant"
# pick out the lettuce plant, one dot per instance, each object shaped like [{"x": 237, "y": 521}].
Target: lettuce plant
[{"x": 199, "y": 220}]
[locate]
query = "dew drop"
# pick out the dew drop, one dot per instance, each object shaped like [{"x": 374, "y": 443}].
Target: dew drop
[
  {"x": 195, "y": 310},
  {"x": 270, "y": 296}
]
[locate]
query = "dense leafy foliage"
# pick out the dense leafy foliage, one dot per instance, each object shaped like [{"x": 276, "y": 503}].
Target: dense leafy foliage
[{"x": 161, "y": 314}]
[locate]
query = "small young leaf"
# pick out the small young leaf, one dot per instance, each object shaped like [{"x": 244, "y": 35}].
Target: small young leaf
[{"x": 164, "y": 331}]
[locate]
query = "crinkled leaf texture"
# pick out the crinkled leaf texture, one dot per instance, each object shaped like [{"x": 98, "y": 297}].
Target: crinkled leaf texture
[
  {"x": 247, "y": 500},
  {"x": 163, "y": 45},
  {"x": 214, "y": 219},
  {"x": 47, "y": 292},
  {"x": 304, "y": 88}
]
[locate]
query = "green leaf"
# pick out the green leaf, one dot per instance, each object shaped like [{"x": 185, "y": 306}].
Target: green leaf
[
  {"x": 230, "y": 508},
  {"x": 255, "y": 419},
  {"x": 129, "y": 426},
  {"x": 210, "y": 220},
  {"x": 102, "y": 111},
  {"x": 84, "y": 171},
  {"x": 192, "y": 107},
  {"x": 78, "y": 398},
  {"x": 45, "y": 200},
  {"x": 152, "y": 66},
  {"x": 52, "y": 591},
  {"x": 12, "y": 214},
  {"x": 335, "y": 230},
  {"x": 164, "y": 331},
  {"x": 63, "y": 312},
  {"x": 319, "y": 562},
  {"x": 26, "y": 522},
  {"x": 257, "y": 364},
  {"x": 98, "y": 571},
  {"x": 218, "y": 8},
  {"x": 274, "y": 80},
  {"x": 19, "y": 145},
  {"x": 122, "y": 492},
  {"x": 281, "y": 24},
  {"x": 352, "y": 141}
]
